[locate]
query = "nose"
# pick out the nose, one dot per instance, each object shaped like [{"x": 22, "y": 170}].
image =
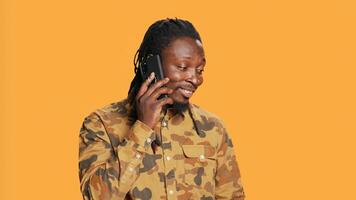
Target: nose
[{"x": 192, "y": 77}]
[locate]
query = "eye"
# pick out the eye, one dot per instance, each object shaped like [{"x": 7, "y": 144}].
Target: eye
[
  {"x": 200, "y": 71},
  {"x": 180, "y": 67}
]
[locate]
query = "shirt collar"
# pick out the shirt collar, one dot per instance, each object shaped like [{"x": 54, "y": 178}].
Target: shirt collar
[
  {"x": 195, "y": 118},
  {"x": 191, "y": 113}
]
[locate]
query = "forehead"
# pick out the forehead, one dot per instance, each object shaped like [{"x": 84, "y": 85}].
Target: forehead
[{"x": 185, "y": 47}]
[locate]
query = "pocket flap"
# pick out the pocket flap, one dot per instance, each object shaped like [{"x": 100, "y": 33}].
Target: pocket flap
[{"x": 193, "y": 151}]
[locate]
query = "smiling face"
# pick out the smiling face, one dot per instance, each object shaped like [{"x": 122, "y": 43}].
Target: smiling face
[{"x": 183, "y": 63}]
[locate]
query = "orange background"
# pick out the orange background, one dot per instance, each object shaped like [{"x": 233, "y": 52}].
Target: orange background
[{"x": 281, "y": 74}]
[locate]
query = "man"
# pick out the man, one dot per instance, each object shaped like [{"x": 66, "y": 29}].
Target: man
[{"x": 146, "y": 147}]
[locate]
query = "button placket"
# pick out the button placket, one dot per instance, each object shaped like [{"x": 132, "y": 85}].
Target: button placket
[{"x": 168, "y": 164}]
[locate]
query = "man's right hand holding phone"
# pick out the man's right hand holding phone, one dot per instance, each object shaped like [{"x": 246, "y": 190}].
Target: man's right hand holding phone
[{"x": 148, "y": 105}]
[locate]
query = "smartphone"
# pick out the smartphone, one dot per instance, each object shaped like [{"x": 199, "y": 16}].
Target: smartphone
[{"x": 153, "y": 64}]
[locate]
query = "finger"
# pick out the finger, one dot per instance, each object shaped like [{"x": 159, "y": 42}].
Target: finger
[
  {"x": 164, "y": 101},
  {"x": 145, "y": 85},
  {"x": 159, "y": 91},
  {"x": 159, "y": 84}
]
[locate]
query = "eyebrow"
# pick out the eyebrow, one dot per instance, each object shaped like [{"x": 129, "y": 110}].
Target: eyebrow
[{"x": 203, "y": 60}]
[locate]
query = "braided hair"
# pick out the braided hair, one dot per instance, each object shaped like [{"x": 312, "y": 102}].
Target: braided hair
[{"x": 158, "y": 36}]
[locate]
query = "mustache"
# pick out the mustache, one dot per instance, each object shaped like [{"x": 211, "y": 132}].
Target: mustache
[{"x": 187, "y": 86}]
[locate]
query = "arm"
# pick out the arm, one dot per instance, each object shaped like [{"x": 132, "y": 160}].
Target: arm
[
  {"x": 98, "y": 166},
  {"x": 228, "y": 178},
  {"x": 102, "y": 176}
]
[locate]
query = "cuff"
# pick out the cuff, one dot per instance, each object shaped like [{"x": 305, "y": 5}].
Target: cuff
[{"x": 142, "y": 136}]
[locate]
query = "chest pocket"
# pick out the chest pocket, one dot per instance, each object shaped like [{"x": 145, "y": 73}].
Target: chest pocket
[{"x": 199, "y": 165}]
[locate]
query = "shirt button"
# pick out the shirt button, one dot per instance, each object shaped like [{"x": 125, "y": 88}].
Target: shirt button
[
  {"x": 170, "y": 191},
  {"x": 138, "y": 155},
  {"x": 168, "y": 158},
  {"x": 201, "y": 157},
  {"x": 164, "y": 123},
  {"x": 148, "y": 140}
]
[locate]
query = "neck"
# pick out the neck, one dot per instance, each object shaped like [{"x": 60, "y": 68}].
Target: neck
[{"x": 178, "y": 107}]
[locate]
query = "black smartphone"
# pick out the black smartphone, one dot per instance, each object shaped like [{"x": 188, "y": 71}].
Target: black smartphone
[{"x": 153, "y": 64}]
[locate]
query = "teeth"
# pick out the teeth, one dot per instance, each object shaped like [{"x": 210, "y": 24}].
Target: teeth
[{"x": 187, "y": 91}]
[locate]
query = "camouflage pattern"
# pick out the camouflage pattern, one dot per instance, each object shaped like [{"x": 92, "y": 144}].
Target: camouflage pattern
[{"x": 193, "y": 160}]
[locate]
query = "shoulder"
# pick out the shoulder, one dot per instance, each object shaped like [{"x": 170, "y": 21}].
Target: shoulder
[
  {"x": 111, "y": 111},
  {"x": 119, "y": 108},
  {"x": 203, "y": 115},
  {"x": 206, "y": 121},
  {"x": 113, "y": 118}
]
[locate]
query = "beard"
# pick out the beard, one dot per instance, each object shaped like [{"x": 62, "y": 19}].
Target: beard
[{"x": 179, "y": 107}]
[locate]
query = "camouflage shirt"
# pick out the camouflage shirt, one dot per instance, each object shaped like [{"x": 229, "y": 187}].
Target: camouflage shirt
[{"x": 188, "y": 155}]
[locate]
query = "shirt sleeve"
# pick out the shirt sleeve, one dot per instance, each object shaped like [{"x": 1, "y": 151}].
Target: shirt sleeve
[
  {"x": 101, "y": 176},
  {"x": 228, "y": 178}
]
